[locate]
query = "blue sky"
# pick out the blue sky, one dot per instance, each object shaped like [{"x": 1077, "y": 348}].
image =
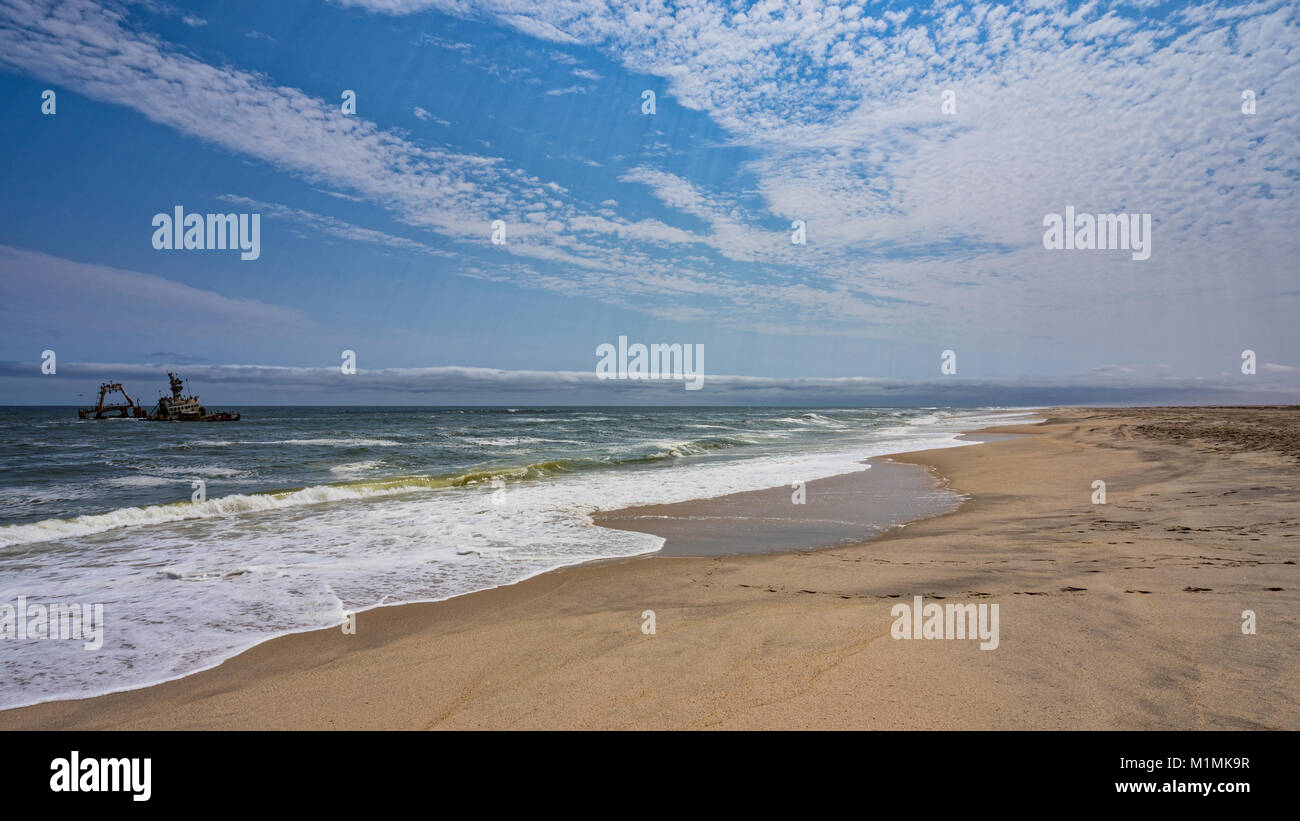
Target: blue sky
[{"x": 924, "y": 228}]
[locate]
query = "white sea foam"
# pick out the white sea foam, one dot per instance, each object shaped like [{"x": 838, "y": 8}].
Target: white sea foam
[
  {"x": 202, "y": 472},
  {"x": 353, "y": 470},
  {"x": 337, "y": 442},
  {"x": 352, "y": 442},
  {"x": 504, "y": 441},
  {"x": 138, "y": 481},
  {"x": 223, "y": 506}
]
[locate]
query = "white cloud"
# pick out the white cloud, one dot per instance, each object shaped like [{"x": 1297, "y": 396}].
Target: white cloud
[
  {"x": 333, "y": 227},
  {"x": 537, "y": 28}
]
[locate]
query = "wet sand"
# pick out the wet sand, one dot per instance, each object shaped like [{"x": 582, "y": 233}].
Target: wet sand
[
  {"x": 1124, "y": 615},
  {"x": 837, "y": 510}
]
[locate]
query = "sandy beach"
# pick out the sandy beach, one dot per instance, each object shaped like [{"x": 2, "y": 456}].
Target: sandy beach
[{"x": 1123, "y": 615}]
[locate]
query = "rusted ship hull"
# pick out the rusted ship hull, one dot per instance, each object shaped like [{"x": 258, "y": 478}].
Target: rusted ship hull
[
  {"x": 127, "y": 410},
  {"x": 211, "y": 417},
  {"x": 174, "y": 408}
]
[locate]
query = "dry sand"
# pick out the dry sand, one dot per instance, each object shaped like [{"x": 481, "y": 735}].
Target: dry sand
[{"x": 1125, "y": 615}]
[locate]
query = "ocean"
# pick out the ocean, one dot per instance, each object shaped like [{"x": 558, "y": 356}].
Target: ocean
[{"x": 308, "y": 513}]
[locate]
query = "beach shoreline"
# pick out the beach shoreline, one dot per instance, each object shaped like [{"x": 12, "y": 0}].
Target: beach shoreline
[
  {"x": 848, "y": 508},
  {"x": 778, "y": 639}
]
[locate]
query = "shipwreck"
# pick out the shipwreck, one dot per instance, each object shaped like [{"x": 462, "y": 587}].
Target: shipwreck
[
  {"x": 129, "y": 409},
  {"x": 174, "y": 408}
]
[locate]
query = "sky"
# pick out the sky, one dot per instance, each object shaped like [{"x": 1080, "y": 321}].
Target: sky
[{"x": 921, "y": 147}]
